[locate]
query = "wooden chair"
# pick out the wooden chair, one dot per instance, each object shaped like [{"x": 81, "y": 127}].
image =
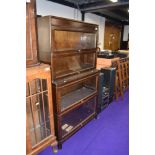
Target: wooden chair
[
  {"x": 118, "y": 80},
  {"x": 127, "y": 71},
  {"x": 124, "y": 67}
]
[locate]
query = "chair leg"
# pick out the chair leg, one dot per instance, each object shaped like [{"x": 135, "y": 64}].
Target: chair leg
[
  {"x": 121, "y": 85},
  {"x": 127, "y": 75},
  {"x": 116, "y": 88}
]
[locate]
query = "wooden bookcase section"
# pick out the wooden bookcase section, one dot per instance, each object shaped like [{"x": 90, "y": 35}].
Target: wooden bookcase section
[{"x": 69, "y": 46}]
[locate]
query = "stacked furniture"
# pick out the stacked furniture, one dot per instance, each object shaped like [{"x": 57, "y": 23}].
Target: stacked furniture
[
  {"x": 106, "y": 58},
  {"x": 106, "y": 87},
  {"x": 104, "y": 62},
  {"x": 39, "y": 108},
  {"x": 69, "y": 46},
  {"x": 106, "y": 78},
  {"x": 103, "y": 97},
  {"x": 109, "y": 81},
  {"x": 122, "y": 76}
]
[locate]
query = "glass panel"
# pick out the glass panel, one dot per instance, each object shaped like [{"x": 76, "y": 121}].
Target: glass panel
[
  {"x": 72, "y": 94},
  {"x": 46, "y": 109},
  {"x": 69, "y": 40},
  {"x": 35, "y": 86},
  {"x": 69, "y": 64},
  {"x": 38, "y": 114},
  {"x": 30, "y": 120},
  {"x": 88, "y": 41},
  {"x": 74, "y": 118},
  {"x": 74, "y": 40},
  {"x": 44, "y": 84}
]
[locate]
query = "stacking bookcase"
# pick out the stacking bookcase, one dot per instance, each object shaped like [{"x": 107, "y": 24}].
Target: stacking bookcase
[{"x": 69, "y": 46}]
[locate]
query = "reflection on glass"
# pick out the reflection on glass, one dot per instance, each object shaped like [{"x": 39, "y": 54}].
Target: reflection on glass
[
  {"x": 69, "y": 64},
  {"x": 35, "y": 86},
  {"x": 71, "y": 95},
  {"x": 38, "y": 112},
  {"x": 44, "y": 84},
  {"x": 88, "y": 40},
  {"x": 69, "y": 40},
  {"x": 74, "y": 118}
]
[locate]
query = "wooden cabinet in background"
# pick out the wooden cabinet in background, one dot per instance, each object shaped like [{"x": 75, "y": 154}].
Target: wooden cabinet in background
[
  {"x": 31, "y": 36},
  {"x": 39, "y": 110},
  {"x": 112, "y": 36}
]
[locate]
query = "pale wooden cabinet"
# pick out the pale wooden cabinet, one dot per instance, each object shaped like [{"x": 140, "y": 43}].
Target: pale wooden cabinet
[{"x": 39, "y": 110}]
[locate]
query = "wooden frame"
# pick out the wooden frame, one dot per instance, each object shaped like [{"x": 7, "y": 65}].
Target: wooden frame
[
  {"x": 31, "y": 34},
  {"x": 48, "y": 25},
  {"x": 59, "y": 114},
  {"x": 42, "y": 72}
]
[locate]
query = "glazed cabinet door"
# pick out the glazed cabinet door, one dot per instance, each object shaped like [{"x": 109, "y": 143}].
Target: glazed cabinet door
[
  {"x": 68, "y": 64},
  {"x": 73, "y": 94},
  {"x": 31, "y": 41},
  {"x": 77, "y": 117},
  {"x": 73, "y": 41},
  {"x": 39, "y": 111}
]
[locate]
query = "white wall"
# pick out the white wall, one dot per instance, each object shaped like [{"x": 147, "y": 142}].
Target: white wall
[
  {"x": 126, "y": 32},
  {"x": 92, "y": 18},
  {"x": 49, "y": 8},
  {"x": 45, "y": 8}
]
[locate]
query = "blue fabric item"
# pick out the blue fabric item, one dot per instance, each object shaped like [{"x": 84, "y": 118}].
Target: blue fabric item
[{"x": 108, "y": 135}]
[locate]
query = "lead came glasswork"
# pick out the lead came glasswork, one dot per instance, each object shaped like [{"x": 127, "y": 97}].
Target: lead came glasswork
[{"x": 38, "y": 110}]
